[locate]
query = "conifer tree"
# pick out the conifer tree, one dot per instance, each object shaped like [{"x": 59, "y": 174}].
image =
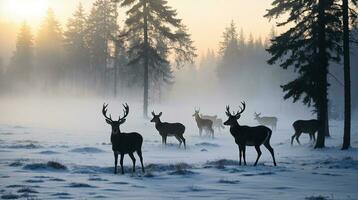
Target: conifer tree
[
  {"x": 77, "y": 51},
  {"x": 308, "y": 46},
  {"x": 49, "y": 51},
  {"x": 21, "y": 64},
  {"x": 147, "y": 20}
]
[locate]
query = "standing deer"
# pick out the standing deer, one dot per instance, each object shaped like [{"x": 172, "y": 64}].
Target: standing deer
[
  {"x": 217, "y": 122},
  {"x": 266, "y": 121},
  {"x": 305, "y": 126},
  {"x": 248, "y": 136},
  {"x": 205, "y": 124},
  {"x": 123, "y": 143},
  {"x": 169, "y": 129}
]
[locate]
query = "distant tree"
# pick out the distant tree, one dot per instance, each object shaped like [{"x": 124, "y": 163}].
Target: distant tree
[
  {"x": 102, "y": 27},
  {"x": 347, "y": 72},
  {"x": 49, "y": 52},
  {"x": 77, "y": 51},
  {"x": 308, "y": 46},
  {"x": 229, "y": 54},
  {"x": 21, "y": 63},
  {"x": 147, "y": 20}
]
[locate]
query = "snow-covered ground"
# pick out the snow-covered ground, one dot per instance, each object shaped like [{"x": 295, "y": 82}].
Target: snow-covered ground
[{"x": 207, "y": 169}]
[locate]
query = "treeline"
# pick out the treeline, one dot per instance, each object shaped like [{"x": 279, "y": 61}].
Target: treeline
[
  {"x": 239, "y": 66},
  {"x": 92, "y": 55}
]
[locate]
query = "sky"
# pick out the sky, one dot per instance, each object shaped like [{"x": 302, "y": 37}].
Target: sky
[{"x": 206, "y": 19}]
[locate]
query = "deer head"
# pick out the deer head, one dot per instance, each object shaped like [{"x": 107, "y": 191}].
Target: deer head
[
  {"x": 196, "y": 112},
  {"x": 233, "y": 117},
  {"x": 115, "y": 124},
  {"x": 156, "y": 118},
  {"x": 257, "y": 115}
]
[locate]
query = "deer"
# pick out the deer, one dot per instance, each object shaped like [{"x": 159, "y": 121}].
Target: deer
[
  {"x": 123, "y": 143},
  {"x": 248, "y": 136},
  {"x": 266, "y": 121},
  {"x": 166, "y": 129},
  {"x": 217, "y": 122},
  {"x": 205, "y": 124},
  {"x": 305, "y": 126}
]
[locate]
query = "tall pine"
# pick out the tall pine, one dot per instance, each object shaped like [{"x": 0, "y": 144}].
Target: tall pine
[
  {"x": 308, "y": 46},
  {"x": 77, "y": 51},
  {"x": 154, "y": 22},
  {"x": 102, "y": 27},
  {"x": 347, "y": 72},
  {"x": 49, "y": 52},
  {"x": 22, "y": 61}
]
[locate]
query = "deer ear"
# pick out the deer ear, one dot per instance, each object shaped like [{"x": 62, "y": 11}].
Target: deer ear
[
  {"x": 160, "y": 114},
  {"x": 108, "y": 121},
  {"x": 238, "y": 116},
  {"x": 122, "y": 121}
]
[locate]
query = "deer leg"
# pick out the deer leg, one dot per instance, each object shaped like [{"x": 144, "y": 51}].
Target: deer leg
[
  {"x": 121, "y": 162},
  {"x": 314, "y": 137},
  {"x": 212, "y": 132},
  {"x": 200, "y": 131},
  {"x": 115, "y": 162},
  {"x": 178, "y": 138},
  {"x": 293, "y": 137},
  {"x": 244, "y": 154},
  {"x": 183, "y": 139},
  {"x": 268, "y": 146},
  {"x": 133, "y": 160},
  {"x": 240, "y": 153},
  {"x": 310, "y": 136},
  {"x": 258, "y": 154},
  {"x": 297, "y": 138},
  {"x": 163, "y": 141},
  {"x": 139, "y": 152}
]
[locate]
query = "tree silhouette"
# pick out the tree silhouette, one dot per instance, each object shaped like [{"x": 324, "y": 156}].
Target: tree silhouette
[
  {"x": 152, "y": 22},
  {"x": 308, "y": 46}
]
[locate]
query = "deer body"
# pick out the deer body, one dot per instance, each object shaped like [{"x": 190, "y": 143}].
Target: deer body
[
  {"x": 124, "y": 143},
  {"x": 249, "y": 136},
  {"x": 266, "y": 121},
  {"x": 305, "y": 126},
  {"x": 217, "y": 122},
  {"x": 203, "y": 124},
  {"x": 166, "y": 129}
]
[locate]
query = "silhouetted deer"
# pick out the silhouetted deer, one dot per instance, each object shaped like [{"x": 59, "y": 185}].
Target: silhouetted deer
[
  {"x": 248, "y": 136},
  {"x": 266, "y": 121},
  {"x": 123, "y": 143},
  {"x": 217, "y": 122},
  {"x": 305, "y": 126},
  {"x": 205, "y": 124},
  {"x": 169, "y": 129}
]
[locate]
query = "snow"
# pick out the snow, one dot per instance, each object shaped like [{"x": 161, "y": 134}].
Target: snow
[{"x": 73, "y": 163}]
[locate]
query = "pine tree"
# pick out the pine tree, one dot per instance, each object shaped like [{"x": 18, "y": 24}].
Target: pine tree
[
  {"x": 229, "y": 51},
  {"x": 347, "y": 73},
  {"x": 102, "y": 27},
  {"x": 147, "y": 20},
  {"x": 21, "y": 64},
  {"x": 308, "y": 46},
  {"x": 49, "y": 51},
  {"x": 77, "y": 51}
]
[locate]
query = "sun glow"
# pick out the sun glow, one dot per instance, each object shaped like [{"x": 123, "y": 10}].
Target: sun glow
[{"x": 23, "y": 10}]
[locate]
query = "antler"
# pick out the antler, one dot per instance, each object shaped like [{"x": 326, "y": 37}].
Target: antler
[
  {"x": 104, "y": 112},
  {"x": 241, "y": 109},
  {"x": 125, "y": 112},
  {"x": 228, "y": 111}
]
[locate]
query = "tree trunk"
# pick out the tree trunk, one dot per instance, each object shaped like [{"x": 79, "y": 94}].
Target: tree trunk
[
  {"x": 115, "y": 68},
  {"x": 146, "y": 63},
  {"x": 326, "y": 125},
  {"x": 322, "y": 75},
  {"x": 347, "y": 78}
]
